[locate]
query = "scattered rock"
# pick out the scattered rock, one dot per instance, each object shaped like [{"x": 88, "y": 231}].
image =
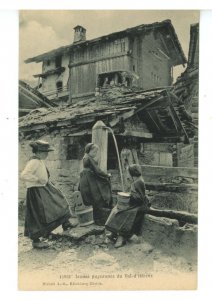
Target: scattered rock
[
  {"x": 91, "y": 239},
  {"x": 79, "y": 233},
  {"x": 135, "y": 239}
]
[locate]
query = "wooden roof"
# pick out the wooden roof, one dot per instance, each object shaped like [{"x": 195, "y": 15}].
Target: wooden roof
[
  {"x": 30, "y": 98},
  {"x": 155, "y": 108},
  {"x": 166, "y": 27}
]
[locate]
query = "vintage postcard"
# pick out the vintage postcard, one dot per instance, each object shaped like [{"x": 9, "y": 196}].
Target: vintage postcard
[{"x": 108, "y": 150}]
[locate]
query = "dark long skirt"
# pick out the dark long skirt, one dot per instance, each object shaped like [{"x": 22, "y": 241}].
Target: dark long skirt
[
  {"x": 96, "y": 191},
  {"x": 46, "y": 209},
  {"x": 125, "y": 222}
]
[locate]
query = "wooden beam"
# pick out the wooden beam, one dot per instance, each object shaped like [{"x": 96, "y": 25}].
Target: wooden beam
[
  {"x": 163, "y": 53},
  {"x": 139, "y": 134},
  {"x": 178, "y": 215},
  {"x": 150, "y": 116},
  {"x": 173, "y": 118},
  {"x": 177, "y": 117},
  {"x": 149, "y": 104},
  {"x": 170, "y": 187}
]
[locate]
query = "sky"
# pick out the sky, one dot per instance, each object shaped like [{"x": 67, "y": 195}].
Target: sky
[{"x": 43, "y": 30}]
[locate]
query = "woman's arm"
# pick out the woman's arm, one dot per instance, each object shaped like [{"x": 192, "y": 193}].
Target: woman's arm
[
  {"x": 137, "y": 192},
  {"x": 95, "y": 168}
]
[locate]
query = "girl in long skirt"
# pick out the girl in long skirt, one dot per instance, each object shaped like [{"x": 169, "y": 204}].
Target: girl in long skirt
[
  {"x": 46, "y": 207},
  {"x": 124, "y": 223}
]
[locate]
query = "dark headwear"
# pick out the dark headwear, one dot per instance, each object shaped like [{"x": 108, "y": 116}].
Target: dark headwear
[
  {"x": 134, "y": 170},
  {"x": 88, "y": 147},
  {"x": 41, "y": 146}
]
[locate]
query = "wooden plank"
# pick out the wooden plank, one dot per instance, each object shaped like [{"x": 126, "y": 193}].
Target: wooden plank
[
  {"x": 151, "y": 172},
  {"x": 126, "y": 160},
  {"x": 172, "y": 117},
  {"x": 80, "y": 133},
  {"x": 83, "y": 62},
  {"x": 166, "y": 159},
  {"x": 176, "y": 115},
  {"x": 136, "y": 133},
  {"x": 170, "y": 187}
]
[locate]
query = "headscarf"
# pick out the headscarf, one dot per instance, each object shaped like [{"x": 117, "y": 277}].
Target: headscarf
[{"x": 88, "y": 147}]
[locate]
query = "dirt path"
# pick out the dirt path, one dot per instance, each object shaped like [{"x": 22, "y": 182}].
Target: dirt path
[{"x": 65, "y": 262}]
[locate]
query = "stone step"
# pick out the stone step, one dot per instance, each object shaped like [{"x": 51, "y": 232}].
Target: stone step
[{"x": 81, "y": 232}]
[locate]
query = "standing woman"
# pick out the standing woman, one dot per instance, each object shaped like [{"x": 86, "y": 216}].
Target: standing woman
[
  {"x": 46, "y": 207},
  {"x": 94, "y": 184}
]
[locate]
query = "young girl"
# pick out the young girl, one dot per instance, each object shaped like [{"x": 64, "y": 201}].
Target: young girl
[
  {"x": 124, "y": 223},
  {"x": 94, "y": 184},
  {"x": 46, "y": 207}
]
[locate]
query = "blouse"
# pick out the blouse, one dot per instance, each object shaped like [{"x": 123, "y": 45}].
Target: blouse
[{"x": 35, "y": 173}]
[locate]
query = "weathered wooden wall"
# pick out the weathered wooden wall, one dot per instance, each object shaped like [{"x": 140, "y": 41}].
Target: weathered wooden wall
[
  {"x": 155, "y": 70},
  {"x": 86, "y": 63},
  {"x": 185, "y": 155},
  {"x": 138, "y": 54}
]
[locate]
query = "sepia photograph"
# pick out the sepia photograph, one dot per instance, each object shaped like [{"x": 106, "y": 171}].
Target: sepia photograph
[{"x": 108, "y": 149}]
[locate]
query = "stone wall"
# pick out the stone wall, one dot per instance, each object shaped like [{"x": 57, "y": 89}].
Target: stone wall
[
  {"x": 167, "y": 154},
  {"x": 65, "y": 165},
  {"x": 157, "y": 154},
  {"x": 166, "y": 234},
  {"x": 160, "y": 183},
  {"x": 64, "y": 173}
]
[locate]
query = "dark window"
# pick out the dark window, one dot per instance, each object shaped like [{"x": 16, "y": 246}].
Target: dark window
[
  {"x": 58, "y": 61},
  {"x": 112, "y": 161},
  {"x": 48, "y": 62},
  {"x": 73, "y": 152},
  {"x": 107, "y": 79},
  {"x": 76, "y": 146},
  {"x": 59, "y": 85}
]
